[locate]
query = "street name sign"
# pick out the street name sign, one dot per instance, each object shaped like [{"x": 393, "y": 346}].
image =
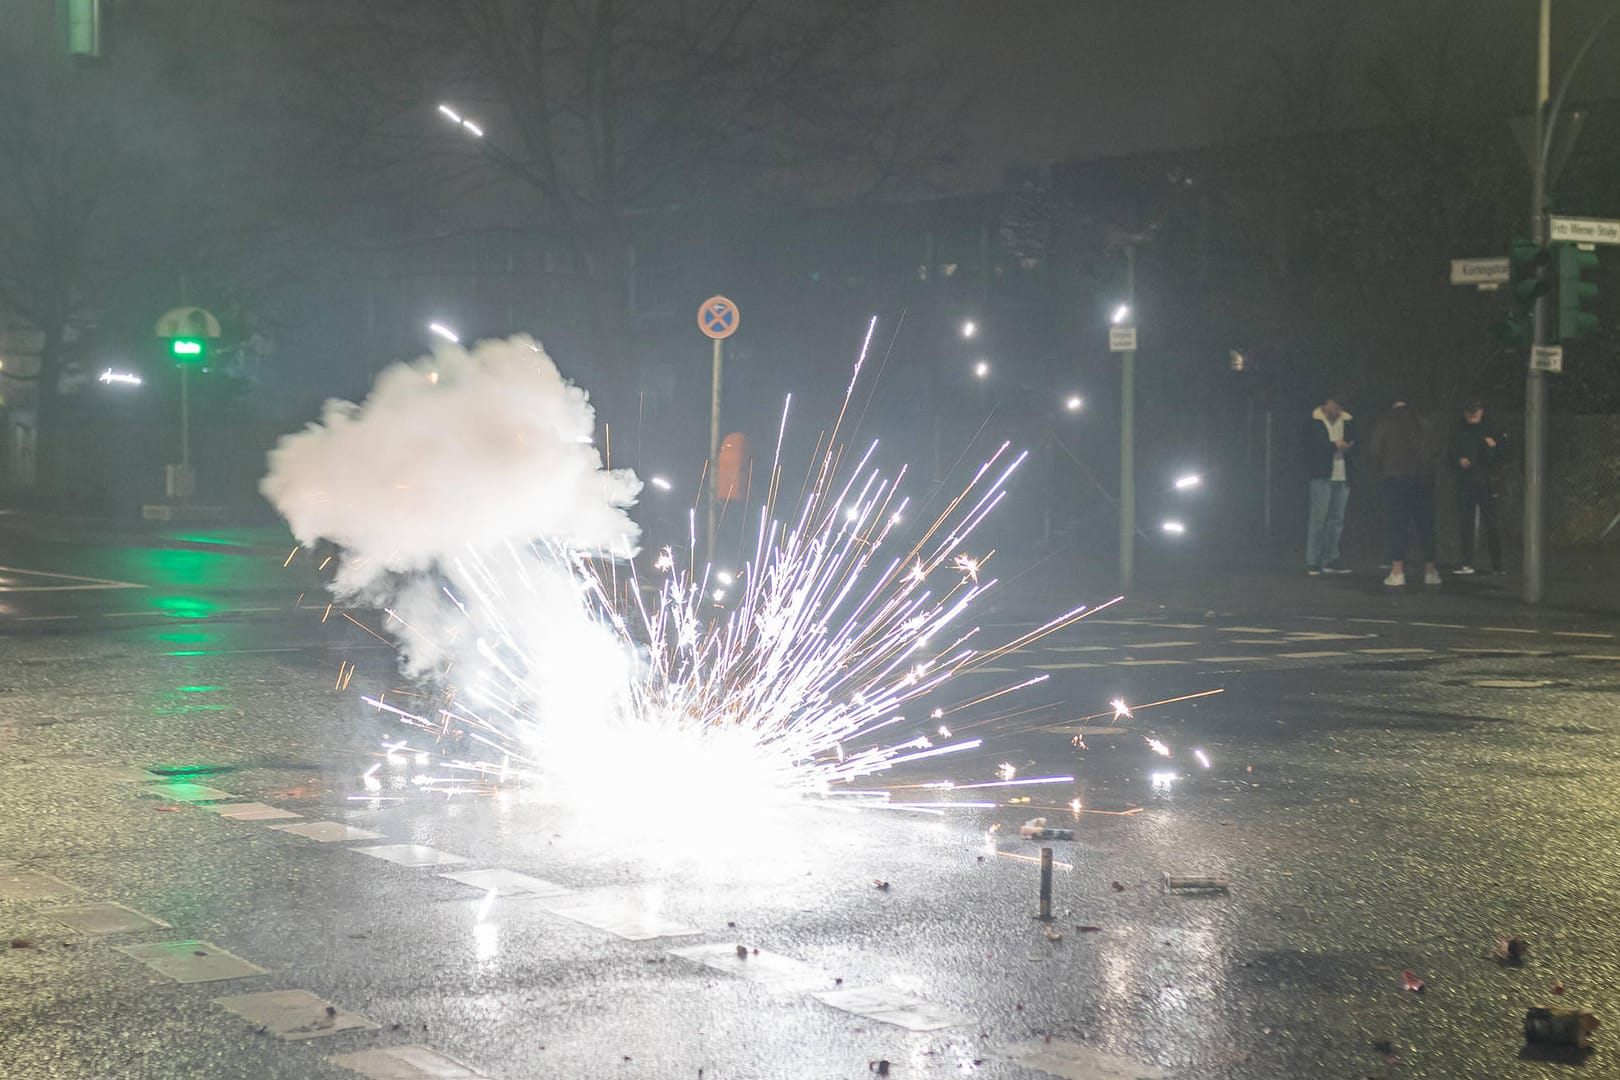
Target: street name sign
[
  {"x": 1122, "y": 339},
  {"x": 1583, "y": 230},
  {"x": 1495, "y": 271},
  {"x": 1547, "y": 358}
]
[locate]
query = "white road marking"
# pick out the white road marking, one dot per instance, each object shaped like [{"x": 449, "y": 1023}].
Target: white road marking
[
  {"x": 893, "y": 1007},
  {"x": 1311, "y": 655},
  {"x": 85, "y": 582},
  {"x": 1311, "y": 635},
  {"x": 103, "y": 917},
  {"x": 413, "y": 855},
  {"x": 1071, "y": 1061},
  {"x": 1582, "y": 634},
  {"x": 294, "y": 1014},
  {"x": 327, "y": 832},
  {"x": 1439, "y": 625},
  {"x": 1512, "y": 684},
  {"x": 618, "y": 914},
  {"x": 1248, "y": 630},
  {"x": 1391, "y": 652},
  {"x": 33, "y": 885},
  {"x": 1255, "y": 641},
  {"x": 1075, "y": 666},
  {"x": 252, "y": 811},
  {"x": 1080, "y": 648},
  {"x": 1595, "y": 656},
  {"x": 1158, "y": 644},
  {"x": 1377, "y": 622},
  {"x": 777, "y": 973},
  {"x": 1231, "y": 659},
  {"x": 412, "y": 1062},
  {"x": 1503, "y": 652},
  {"x": 504, "y": 882},
  {"x": 1146, "y": 663},
  {"x": 1507, "y": 630},
  {"x": 192, "y": 961},
  {"x": 187, "y": 792}
]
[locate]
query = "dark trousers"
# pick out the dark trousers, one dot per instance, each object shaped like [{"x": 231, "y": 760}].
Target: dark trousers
[
  {"x": 1408, "y": 506},
  {"x": 1472, "y": 496}
]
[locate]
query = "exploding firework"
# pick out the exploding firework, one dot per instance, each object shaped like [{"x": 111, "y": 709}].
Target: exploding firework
[{"x": 550, "y": 657}]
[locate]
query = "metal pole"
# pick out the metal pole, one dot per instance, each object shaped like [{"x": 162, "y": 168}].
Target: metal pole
[
  {"x": 185, "y": 432},
  {"x": 1535, "y": 388},
  {"x": 1127, "y": 438},
  {"x": 1266, "y": 499},
  {"x": 1046, "y": 885},
  {"x": 714, "y": 444}
]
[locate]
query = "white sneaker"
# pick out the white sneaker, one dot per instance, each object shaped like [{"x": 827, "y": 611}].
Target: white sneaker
[
  {"x": 1431, "y": 577},
  {"x": 1395, "y": 580},
  {"x": 1463, "y": 570}
]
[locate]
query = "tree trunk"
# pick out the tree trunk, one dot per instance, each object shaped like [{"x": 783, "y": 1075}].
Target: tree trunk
[{"x": 47, "y": 413}]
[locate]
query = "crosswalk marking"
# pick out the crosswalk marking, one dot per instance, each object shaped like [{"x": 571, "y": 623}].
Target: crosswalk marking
[
  {"x": 1147, "y": 663},
  {"x": 1310, "y": 655},
  {"x": 1158, "y": 644},
  {"x": 1391, "y": 652}
]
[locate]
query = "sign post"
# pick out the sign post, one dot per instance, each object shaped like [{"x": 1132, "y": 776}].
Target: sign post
[
  {"x": 717, "y": 318},
  {"x": 188, "y": 330},
  {"x": 1547, "y": 358},
  {"x": 1122, "y": 339}
]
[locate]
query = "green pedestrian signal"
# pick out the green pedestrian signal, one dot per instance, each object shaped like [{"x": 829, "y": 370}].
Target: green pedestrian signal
[
  {"x": 1528, "y": 282},
  {"x": 1575, "y": 293},
  {"x": 188, "y": 350}
]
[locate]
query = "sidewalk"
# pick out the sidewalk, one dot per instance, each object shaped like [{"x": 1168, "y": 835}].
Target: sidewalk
[{"x": 1582, "y": 582}]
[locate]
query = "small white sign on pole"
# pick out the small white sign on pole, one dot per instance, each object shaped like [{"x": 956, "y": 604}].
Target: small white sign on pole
[
  {"x": 1122, "y": 339},
  {"x": 1547, "y": 358},
  {"x": 1583, "y": 230},
  {"x": 1485, "y": 272}
]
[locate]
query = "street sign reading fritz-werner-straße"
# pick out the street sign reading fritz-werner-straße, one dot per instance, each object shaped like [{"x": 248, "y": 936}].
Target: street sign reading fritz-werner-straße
[
  {"x": 1481, "y": 271},
  {"x": 1578, "y": 230}
]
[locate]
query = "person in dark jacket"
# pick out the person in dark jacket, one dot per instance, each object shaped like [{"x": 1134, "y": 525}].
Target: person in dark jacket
[
  {"x": 1327, "y": 446},
  {"x": 1405, "y": 464},
  {"x": 1472, "y": 454}
]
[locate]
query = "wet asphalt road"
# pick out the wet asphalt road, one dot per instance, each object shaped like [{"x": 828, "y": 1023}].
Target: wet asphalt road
[{"x": 1384, "y": 795}]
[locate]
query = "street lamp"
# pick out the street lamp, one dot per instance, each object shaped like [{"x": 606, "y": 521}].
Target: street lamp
[
  {"x": 1074, "y": 403},
  {"x": 1188, "y": 482},
  {"x": 660, "y": 483},
  {"x": 461, "y": 121},
  {"x": 1174, "y": 527},
  {"x": 1121, "y": 315},
  {"x": 970, "y": 329},
  {"x": 981, "y": 369},
  {"x": 445, "y": 332}
]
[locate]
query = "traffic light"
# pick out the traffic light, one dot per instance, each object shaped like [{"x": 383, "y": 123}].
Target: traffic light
[
  {"x": 1575, "y": 293},
  {"x": 1528, "y": 282},
  {"x": 188, "y": 350}
]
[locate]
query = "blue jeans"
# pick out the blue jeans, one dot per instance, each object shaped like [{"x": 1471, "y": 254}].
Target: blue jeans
[{"x": 1326, "y": 523}]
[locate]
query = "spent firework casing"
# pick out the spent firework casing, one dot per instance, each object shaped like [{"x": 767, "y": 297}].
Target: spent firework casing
[
  {"x": 1559, "y": 1027},
  {"x": 1197, "y": 882}
]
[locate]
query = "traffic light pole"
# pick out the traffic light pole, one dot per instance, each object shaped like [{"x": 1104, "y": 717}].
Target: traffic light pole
[
  {"x": 1127, "y": 438},
  {"x": 1535, "y": 388}
]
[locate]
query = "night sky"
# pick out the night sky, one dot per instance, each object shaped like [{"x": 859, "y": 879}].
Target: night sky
[{"x": 1051, "y": 80}]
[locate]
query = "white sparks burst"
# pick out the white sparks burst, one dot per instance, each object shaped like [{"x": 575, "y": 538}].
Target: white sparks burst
[
  {"x": 1157, "y": 747},
  {"x": 1122, "y": 711},
  {"x": 798, "y": 685}
]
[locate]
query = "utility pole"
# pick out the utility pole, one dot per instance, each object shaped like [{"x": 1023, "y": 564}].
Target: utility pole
[
  {"x": 1535, "y": 387},
  {"x": 1127, "y": 436}
]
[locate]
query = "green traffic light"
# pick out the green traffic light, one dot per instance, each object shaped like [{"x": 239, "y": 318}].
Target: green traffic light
[
  {"x": 188, "y": 350},
  {"x": 1574, "y": 293}
]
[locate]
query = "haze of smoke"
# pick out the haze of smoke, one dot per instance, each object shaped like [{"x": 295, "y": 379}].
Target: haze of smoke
[{"x": 462, "y": 480}]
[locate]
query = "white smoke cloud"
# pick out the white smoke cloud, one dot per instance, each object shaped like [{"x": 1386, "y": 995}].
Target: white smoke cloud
[
  {"x": 459, "y": 492},
  {"x": 463, "y": 450}
]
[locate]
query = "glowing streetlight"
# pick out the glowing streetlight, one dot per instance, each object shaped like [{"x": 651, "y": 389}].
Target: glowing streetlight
[
  {"x": 660, "y": 483},
  {"x": 1121, "y": 316},
  {"x": 445, "y": 332},
  {"x": 724, "y": 577},
  {"x": 1074, "y": 403},
  {"x": 461, "y": 121},
  {"x": 981, "y": 370},
  {"x": 1174, "y": 528},
  {"x": 1188, "y": 482},
  {"x": 970, "y": 329}
]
